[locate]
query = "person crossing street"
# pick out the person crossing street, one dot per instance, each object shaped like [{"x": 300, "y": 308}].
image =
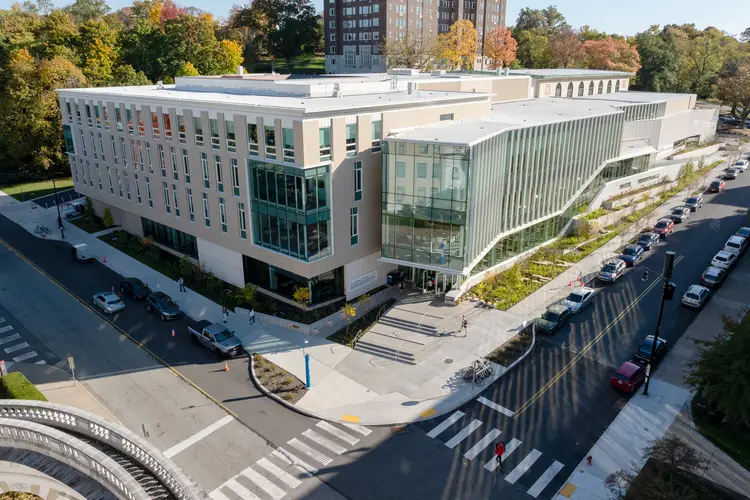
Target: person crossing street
[
  {"x": 464, "y": 325},
  {"x": 499, "y": 451}
]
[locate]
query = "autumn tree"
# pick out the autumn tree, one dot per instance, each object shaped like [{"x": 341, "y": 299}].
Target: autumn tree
[
  {"x": 565, "y": 48},
  {"x": 733, "y": 89},
  {"x": 500, "y": 46},
  {"x": 610, "y": 54},
  {"x": 411, "y": 51},
  {"x": 187, "y": 69},
  {"x": 458, "y": 47}
]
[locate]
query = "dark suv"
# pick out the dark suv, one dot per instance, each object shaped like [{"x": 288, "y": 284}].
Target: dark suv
[
  {"x": 163, "y": 305},
  {"x": 135, "y": 288}
]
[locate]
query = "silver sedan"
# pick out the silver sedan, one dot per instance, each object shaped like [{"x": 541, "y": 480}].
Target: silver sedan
[
  {"x": 579, "y": 299},
  {"x": 109, "y": 302}
]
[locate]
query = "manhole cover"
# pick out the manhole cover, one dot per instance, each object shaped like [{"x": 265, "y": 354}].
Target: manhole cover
[
  {"x": 448, "y": 361},
  {"x": 399, "y": 429}
]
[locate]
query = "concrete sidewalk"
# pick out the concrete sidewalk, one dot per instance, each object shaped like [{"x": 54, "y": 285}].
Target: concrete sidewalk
[
  {"x": 409, "y": 374},
  {"x": 667, "y": 408}
]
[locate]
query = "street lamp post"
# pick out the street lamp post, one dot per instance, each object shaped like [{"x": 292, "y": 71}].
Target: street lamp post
[
  {"x": 57, "y": 203},
  {"x": 307, "y": 365},
  {"x": 666, "y": 294}
]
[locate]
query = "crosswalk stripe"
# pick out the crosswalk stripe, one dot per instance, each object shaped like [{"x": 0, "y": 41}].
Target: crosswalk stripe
[
  {"x": 6, "y": 328},
  {"x": 280, "y": 473},
  {"x": 525, "y": 465},
  {"x": 347, "y": 438},
  {"x": 509, "y": 448},
  {"x": 218, "y": 495},
  {"x": 496, "y": 406},
  {"x": 10, "y": 338},
  {"x": 445, "y": 424},
  {"x": 2, "y": 320},
  {"x": 243, "y": 492},
  {"x": 42, "y": 362},
  {"x": 24, "y": 357},
  {"x": 482, "y": 444},
  {"x": 463, "y": 434},
  {"x": 357, "y": 428},
  {"x": 314, "y": 454},
  {"x": 545, "y": 479},
  {"x": 294, "y": 461},
  {"x": 17, "y": 347},
  {"x": 265, "y": 484},
  {"x": 324, "y": 442}
]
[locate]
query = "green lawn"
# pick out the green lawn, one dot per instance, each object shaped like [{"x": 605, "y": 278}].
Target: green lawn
[
  {"x": 30, "y": 190},
  {"x": 733, "y": 439},
  {"x": 88, "y": 225},
  {"x": 300, "y": 65}
]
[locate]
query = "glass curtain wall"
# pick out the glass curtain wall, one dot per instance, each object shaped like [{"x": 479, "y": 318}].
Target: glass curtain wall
[
  {"x": 323, "y": 287},
  {"x": 170, "y": 237}
]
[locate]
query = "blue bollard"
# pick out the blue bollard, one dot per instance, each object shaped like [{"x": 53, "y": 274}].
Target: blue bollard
[{"x": 307, "y": 370}]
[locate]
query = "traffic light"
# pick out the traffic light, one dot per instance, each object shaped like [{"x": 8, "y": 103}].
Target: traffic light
[{"x": 669, "y": 290}]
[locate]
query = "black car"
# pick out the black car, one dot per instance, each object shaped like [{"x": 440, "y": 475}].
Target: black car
[
  {"x": 135, "y": 288},
  {"x": 631, "y": 254},
  {"x": 730, "y": 174},
  {"x": 643, "y": 354},
  {"x": 713, "y": 277},
  {"x": 553, "y": 319},
  {"x": 163, "y": 305},
  {"x": 648, "y": 240}
]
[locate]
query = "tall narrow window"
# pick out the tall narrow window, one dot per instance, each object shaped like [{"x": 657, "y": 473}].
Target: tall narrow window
[
  {"x": 175, "y": 168},
  {"x": 93, "y": 146},
  {"x": 114, "y": 149},
  {"x": 223, "y": 215},
  {"x": 600, "y": 90},
  {"x": 287, "y": 138},
  {"x": 83, "y": 143},
  {"x": 109, "y": 177},
  {"x": 181, "y": 128},
  {"x": 119, "y": 182},
  {"x": 252, "y": 139},
  {"x": 70, "y": 111},
  {"x": 165, "y": 192},
  {"x": 609, "y": 87},
  {"x": 101, "y": 145},
  {"x": 98, "y": 176},
  {"x": 97, "y": 116},
  {"x": 558, "y": 90},
  {"x": 617, "y": 86},
  {"x": 148, "y": 157},
  {"x": 570, "y": 90},
  {"x": 118, "y": 118},
  {"x": 105, "y": 111},
  {"x": 235, "y": 177},
  {"x": 354, "y": 225},
  {"x": 204, "y": 165},
  {"x": 198, "y": 131},
  {"x": 141, "y": 127},
  {"x": 137, "y": 188},
  {"x": 219, "y": 175},
  {"x": 242, "y": 219},
  {"x": 325, "y": 143},
  {"x": 88, "y": 115},
  {"x": 206, "y": 214},
  {"x": 191, "y": 210},
  {"x": 162, "y": 163},
  {"x": 270, "y": 142},
  {"x": 127, "y": 184},
  {"x": 186, "y": 165},
  {"x": 167, "y": 126},
  {"x": 176, "y": 200},
  {"x": 123, "y": 151},
  {"x": 231, "y": 142},
  {"x": 155, "y": 125},
  {"x": 351, "y": 139},
  {"x": 214, "y": 129},
  {"x": 357, "y": 180},
  {"x": 129, "y": 118},
  {"x": 78, "y": 114},
  {"x": 377, "y": 135},
  {"x": 148, "y": 192}
]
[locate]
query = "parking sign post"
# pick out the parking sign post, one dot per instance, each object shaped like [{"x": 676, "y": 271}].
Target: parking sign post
[{"x": 72, "y": 366}]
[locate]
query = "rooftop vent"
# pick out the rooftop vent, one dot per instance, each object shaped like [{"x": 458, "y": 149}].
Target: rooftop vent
[
  {"x": 437, "y": 72},
  {"x": 336, "y": 90},
  {"x": 159, "y": 85},
  {"x": 240, "y": 70},
  {"x": 404, "y": 72}
]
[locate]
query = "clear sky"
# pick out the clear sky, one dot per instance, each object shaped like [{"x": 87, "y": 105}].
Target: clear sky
[{"x": 626, "y": 17}]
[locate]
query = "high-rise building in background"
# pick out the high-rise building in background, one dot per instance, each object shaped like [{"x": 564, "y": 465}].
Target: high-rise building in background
[{"x": 355, "y": 32}]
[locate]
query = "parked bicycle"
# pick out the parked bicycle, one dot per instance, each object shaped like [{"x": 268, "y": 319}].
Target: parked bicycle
[
  {"x": 478, "y": 372},
  {"x": 42, "y": 230}
]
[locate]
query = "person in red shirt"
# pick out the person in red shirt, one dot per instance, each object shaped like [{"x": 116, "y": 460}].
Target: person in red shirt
[{"x": 499, "y": 450}]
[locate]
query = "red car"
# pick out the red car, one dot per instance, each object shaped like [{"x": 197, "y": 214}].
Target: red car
[
  {"x": 663, "y": 227},
  {"x": 629, "y": 377}
]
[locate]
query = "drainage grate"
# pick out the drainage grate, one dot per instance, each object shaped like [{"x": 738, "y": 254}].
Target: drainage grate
[
  {"x": 399, "y": 429},
  {"x": 448, "y": 361}
]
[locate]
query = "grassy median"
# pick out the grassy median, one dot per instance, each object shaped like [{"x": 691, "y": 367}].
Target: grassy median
[{"x": 16, "y": 386}]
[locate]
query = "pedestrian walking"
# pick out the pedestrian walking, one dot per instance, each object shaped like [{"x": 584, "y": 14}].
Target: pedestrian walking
[
  {"x": 225, "y": 313},
  {"x": 401, "y": 287},
  {"x": 464, "y": 325},
  {"x": 499, "y": 451},
  {"x": 181, "y": 282},
  {"x": 251, "y": 316}
]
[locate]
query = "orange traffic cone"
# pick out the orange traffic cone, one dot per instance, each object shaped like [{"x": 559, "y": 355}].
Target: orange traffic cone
[
  {"x": 172, "y": 332},
  {"x": 226, "y": 366},
  {"x": 104, "y": 259},
  {"x": 44, "y": 235}
]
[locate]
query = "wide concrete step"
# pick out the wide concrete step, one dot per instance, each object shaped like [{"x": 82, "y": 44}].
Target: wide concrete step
[{"x": 385, "y": 352}]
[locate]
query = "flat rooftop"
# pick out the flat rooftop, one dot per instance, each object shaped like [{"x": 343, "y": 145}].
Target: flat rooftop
[
  {"x": 570, "y": 73},
  {"x": 633, "y": 97},
  {"x": 505, "y": 116}
]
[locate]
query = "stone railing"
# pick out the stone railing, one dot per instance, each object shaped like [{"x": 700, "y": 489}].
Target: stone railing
[
  {"x": 117, "y": 437},
  {"x": 71, "y": 451}
]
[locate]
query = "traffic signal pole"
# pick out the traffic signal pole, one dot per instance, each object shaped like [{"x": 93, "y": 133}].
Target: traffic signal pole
[{"x": 666, "y": 294}]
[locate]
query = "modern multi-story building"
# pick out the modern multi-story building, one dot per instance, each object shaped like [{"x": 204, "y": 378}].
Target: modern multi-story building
[
  {"x": 330, "y": 183},
  {"x": 355, "y": 32}
]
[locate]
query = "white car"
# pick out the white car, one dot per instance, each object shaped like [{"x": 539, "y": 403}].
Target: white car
[
  {"x": 724, "y": 260},
  {"x": 735, "y": 244},
  {"x": 696, "y": 296},
  {"x": 109, "y": 302},
  {"x": 740, "y": 165},
  {"x": 579, "y": 299}
]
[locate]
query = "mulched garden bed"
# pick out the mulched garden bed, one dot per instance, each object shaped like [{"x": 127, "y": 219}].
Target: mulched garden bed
[
  {"x": 513, "y": 349},
  {"x": 278, "y": 381}
]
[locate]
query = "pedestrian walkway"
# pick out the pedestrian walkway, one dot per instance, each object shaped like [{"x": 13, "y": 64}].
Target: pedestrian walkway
[{"x": 666, "y": 408}]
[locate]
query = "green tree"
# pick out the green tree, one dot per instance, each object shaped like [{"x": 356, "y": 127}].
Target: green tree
[
  {"x": 733, "y": 88},
  {"x": 57, "y": 35},
  {"x": 107, "y": 218},
  {"x": 124, "y": 75},
  {"x": 549, "y": 21},
  {"x": 100, "y": 60},
  {"x": 89, "y": 212},
  {"x": 187, "y": 69},
  {"x": 227, "y": 57},
  {"x": 659, "y": 60},
  {"x": 85, "y": 10},
  {"x": 411, "y": 51},
  {"x": 532, "y": 49}
]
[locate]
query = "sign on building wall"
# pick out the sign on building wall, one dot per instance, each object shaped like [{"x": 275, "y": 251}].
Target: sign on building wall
[{"x": 363, "y": 281}]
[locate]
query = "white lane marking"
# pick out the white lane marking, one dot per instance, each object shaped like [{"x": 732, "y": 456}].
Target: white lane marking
[
  {"x": 463, "y": 433},
  {"x": 218, "y": 495},
  {"x": 482, "y": 444},
  {"x": 545, "y": 479},
  {"x": 496, "y": 406},
  {"x": 2, "y": 320},
  {"x": 347, "y": 438},
  {"x": 360, "y": 429},
  {"x": 324, "y": 442},
  {"x": 294, "y": 461},
  {"x": 265, "y": 484},
  {"x": 509, "y": 448},
  {"x": 525, "y": 465},
  {"x": 315, "y": 455},
  {"x": 445, "y": 424},
  {"x": 42, "y": 362},
  {"x": 24, "y": 357},
  {"x": 6, "y": 328},
  {"x": 280, "y": 473},
  {"x": 10, "y": 338},
  {"x": 17, "y": 347},
  {"x": 243, "y": 492},
  {"x": 187, "y": 443}
]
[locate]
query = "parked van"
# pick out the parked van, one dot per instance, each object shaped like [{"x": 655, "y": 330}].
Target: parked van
[{"x": 82, "y": 253}]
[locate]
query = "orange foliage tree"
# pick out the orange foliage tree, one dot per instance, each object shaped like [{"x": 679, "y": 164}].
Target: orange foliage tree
[
  {"x": 610, "y": 54},
  {"x": 565, "y": 48},
  {"x": 500, "y": 46},
  {"x": 458, "y": 47}
]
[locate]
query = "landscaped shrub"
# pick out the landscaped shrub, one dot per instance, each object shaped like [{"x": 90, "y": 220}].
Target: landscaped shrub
[{"x": 16, "y": 386}]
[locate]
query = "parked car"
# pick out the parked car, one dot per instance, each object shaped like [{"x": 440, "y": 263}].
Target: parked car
[
  {"x": 740, "y": 165},
  {"x": 744, "y": 232},
  {"x": 724, "y": 260},
  {"x": 135, "y": 288},
  {"x": 579, "y": 299},
  {"x": 648, "y": 240},
  {"x": 713, "y": 277},
  {"x": 74, "y": 209},
  {"x": 663, "y": 227},
  {"x": 736, "y": 244},
  {"x": 631, "y": 254},
  {"x": 717, "y": 186},
  {"x": 553, "y": 319},
  {"x": 731, "y": 174},
  {"x": 680, "y": 214},
  {"x": 694, "y": 202},
  {"x": 696, "y": 296},
  {"x": 643, "y": 354},
  {"x": 109, "y": 302},
  {"x": 612, "y": 270},
  {"x": 629, "y": 377},
  {"x": 163, "y": 305},
  {"x": 218, "y": 338}
]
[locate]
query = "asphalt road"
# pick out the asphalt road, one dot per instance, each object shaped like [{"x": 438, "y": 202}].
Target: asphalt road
[
  {"x": 560, "y": 394},
  {"x": 63, "y": 196}
]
